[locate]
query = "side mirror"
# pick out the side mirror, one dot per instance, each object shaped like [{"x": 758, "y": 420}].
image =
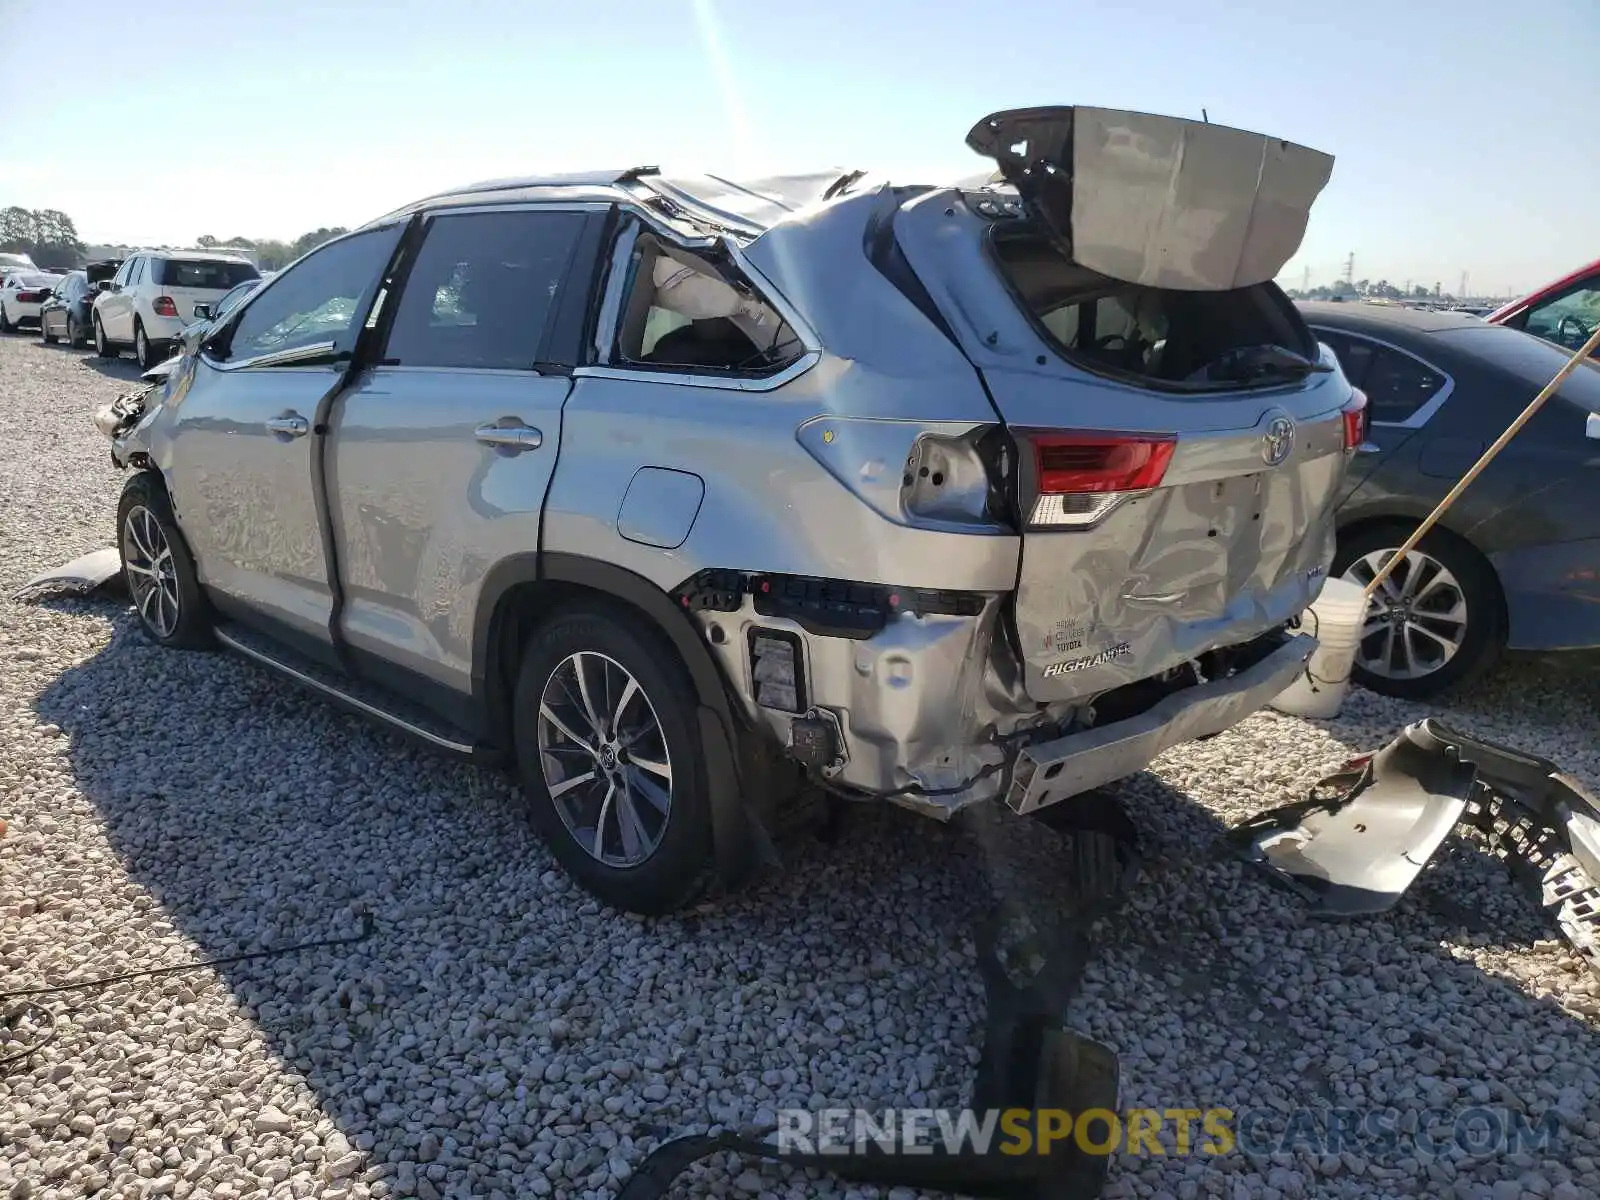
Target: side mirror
[
  {"x": 203, "y": 311},
  {"x": 103, "y": 285}
]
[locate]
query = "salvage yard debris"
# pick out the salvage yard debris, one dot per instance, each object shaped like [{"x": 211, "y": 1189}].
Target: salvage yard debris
[{"x": 1356, "y": 851}]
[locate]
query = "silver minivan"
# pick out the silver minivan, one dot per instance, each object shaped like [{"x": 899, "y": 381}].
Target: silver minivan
[{"x": 673, "y": 493}]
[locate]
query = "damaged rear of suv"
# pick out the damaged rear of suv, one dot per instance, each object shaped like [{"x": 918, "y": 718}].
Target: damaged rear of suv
[{"x": 649, "y": 483}]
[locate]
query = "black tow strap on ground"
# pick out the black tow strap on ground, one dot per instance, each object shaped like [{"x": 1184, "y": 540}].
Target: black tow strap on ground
[
  {"x": 1032, "y": 963},
  {"x": 44, "y": 1020}
]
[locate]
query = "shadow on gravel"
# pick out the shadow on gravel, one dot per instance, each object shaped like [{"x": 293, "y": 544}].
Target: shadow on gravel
[
  {"x": 116, "y": 368},
  {"x": 500, "y": 1026}
]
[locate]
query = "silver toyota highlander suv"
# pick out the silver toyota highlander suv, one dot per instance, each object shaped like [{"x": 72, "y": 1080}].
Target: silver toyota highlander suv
[{"x": 673, "y": 492}]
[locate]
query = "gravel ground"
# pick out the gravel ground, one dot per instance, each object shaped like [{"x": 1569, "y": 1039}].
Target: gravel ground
[{"x": 503, "y": 1036}]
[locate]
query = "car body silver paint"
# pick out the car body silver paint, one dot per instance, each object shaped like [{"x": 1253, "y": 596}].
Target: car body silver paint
[
  {"x": 224, "y": 468},
  {"x": 423, "y": 510}
]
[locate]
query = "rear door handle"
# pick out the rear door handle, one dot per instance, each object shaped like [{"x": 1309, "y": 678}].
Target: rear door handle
[
  {"x": 510, "y": 437},
  {"x": 293, "y": 425}
]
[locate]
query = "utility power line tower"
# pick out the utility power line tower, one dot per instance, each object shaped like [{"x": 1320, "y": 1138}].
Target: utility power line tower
[
  {"x": 1305, "y": 280},
  {"x": 1462, "y": 294},
  {"x": 1350, "y": 268}
]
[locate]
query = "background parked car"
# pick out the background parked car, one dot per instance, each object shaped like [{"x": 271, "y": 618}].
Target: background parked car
[
  {"x": 16, "y": 262},
  {"x": 151, "y": 299},
  {"x": 1564, "y": 312},
  {"x": 1516, "y": 561},
  {"x": 21, "y": 294},
  {"x": 66, "y": 312}
]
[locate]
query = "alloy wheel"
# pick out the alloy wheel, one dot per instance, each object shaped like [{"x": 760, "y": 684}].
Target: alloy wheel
[
  {"x": 152, "y": 574},
  {"x": 605, "y": 760},
  {"x": 100, "y": 343},
  {"x": 141, "y": 347},
  {"x": 1416, "y": 622}
]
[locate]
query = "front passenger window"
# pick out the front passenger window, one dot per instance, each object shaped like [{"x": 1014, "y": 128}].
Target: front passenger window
[{"x": 316, "y": 300}]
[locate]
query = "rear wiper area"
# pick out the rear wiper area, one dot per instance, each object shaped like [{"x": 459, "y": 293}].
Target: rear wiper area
[{"x": 1256, "y": 366}]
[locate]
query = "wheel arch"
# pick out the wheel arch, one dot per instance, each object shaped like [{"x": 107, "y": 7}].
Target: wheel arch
[
  {"x": 1369, "y": 521},
  {"x": 521, "y": 589}
]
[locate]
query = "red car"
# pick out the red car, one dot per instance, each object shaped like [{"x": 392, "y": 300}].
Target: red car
[{"x": 1564, "y": 312}]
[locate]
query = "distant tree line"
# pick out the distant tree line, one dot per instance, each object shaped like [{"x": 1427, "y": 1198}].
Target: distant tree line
[
  {"x": 49, "y": 237},
  {"x": 1366, "y": 289},
  {"x": 271, "y": 254},
  {"x": 45, "y": 235}
]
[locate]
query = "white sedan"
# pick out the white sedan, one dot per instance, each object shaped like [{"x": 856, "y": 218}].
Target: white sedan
[{"x": 21, "y": 294}]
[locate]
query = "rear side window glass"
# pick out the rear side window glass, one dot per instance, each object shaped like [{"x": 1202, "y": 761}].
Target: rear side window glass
[
  {"x": 196, "y": 273},
  {"x": 482, "y": 290},
  {"x": 1176, "y": 339},
  {"x": 684, "y": 311},
  {"x": 1354, "y": 354},
  {"x": 1397, "y": 385},
  {"x": 316, "y": 300}
]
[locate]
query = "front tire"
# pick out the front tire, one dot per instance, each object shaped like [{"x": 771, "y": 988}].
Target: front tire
[
  {"x": 610, "y": 758},
  {"x": 102, "y": 344},
  {"x": 1438, "y": 623},
  {"x": 158, "y": 568}
]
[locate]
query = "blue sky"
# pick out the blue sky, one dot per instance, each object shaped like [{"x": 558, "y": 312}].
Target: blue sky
[{"x": 1463, "y": 131}]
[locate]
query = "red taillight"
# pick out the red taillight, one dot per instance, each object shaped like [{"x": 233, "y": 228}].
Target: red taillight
[
  {"x": 1082, "y": 476},
  {"x": 165, "y": 307},
  {"x": 29, "y": 297},
  {"x": 1355, "y": 419},
  {"x": 1074, "y": 463}
]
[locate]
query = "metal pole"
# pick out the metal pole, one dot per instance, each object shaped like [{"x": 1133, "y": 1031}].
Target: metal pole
[{"x": 1523, "y": 418}]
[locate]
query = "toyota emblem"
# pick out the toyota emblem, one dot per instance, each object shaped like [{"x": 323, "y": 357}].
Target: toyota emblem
[{"x": 1277, "y": 441}]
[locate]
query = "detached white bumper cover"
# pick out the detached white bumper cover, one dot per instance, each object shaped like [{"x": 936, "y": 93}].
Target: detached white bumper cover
[
  {"x": 1159, "y": 201},
  {"x": 1050, "y": 771}
]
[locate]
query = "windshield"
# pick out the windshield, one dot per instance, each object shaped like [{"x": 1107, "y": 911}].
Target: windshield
[
  {"x": 215, "y": 274},
  {"x": 1184, "y": 340}
]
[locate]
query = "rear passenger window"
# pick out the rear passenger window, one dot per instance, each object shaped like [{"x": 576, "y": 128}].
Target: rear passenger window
[
  {"x": 483, "y": 290},
  {"x": 1397, "y": 385}
]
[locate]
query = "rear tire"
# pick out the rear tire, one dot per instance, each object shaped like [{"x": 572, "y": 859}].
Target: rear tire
[
  {"x": 158, "y": 569},
  {"x": 144, "y": 351},
  {"x": 45, "y": 336},
  {"x": 102, "y": 345},
  {"x": 576, "y": 785},
  {"x": 5, "y": 322},
  {"x": 1456, "y": 597}
]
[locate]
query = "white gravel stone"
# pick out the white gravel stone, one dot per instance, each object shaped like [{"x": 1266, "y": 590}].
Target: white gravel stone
[{"x": 504, "y": 1034}]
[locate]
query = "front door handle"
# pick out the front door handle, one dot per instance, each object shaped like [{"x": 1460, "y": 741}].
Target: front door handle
[
  {"x": 516, "y": 437},
  {"x": 293, "y": 425}
]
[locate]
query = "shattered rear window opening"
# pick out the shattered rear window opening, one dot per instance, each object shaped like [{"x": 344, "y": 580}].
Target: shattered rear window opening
[
  {"x": 1157, "y": 337},
  {"x": 683, "y": 310}
]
